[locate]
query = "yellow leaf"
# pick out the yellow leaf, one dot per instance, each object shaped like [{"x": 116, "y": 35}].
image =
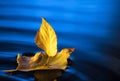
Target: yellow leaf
[
  {"x": 39, "y": 60},
  {"x": 60, "y": 60},
  {"x": 46, "y": 39}
]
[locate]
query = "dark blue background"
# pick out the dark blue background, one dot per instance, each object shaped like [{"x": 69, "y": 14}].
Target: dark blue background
[{"x": 90, "y": 26}]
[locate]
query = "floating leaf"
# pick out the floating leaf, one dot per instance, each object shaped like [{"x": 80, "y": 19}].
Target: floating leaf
[
  {"x": 46, "y": 39},
  {"x": 39, "y": 60}
]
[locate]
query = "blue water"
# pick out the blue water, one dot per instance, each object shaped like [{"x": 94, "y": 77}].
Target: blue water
[{"x": 90, "y": 26}]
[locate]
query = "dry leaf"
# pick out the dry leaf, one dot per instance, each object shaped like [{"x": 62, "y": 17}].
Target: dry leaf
[
  {"x": 39, "y": 60},
  {"x": 46, "y": 39}
]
